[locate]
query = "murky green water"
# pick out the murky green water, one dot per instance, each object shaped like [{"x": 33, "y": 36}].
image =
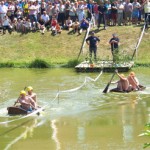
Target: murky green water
[{"x": 79, "y": 118}]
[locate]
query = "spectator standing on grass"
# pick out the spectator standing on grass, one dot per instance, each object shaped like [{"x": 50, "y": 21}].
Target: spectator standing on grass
[
  {"x": 146, "y": 6},
  {"x": 26, "y": 9},
  {"x": 128, "y": 8},
  {"x": 3, "y": 11},
  {"x": 92, "y": 41},
  {"x": 95, "y": 13},
  {"x": 89, "y": 8},
  {"x": 108, "y": 12},
  {"x": 67, "y": 5},
  {"x": 55, "y": 11},
  {"x": 135, "y": 12},
  {"x": 49, "y": 10},
  {"x": 37, "y": 7},
  {"x": 85, "y": 6},
  {"x": 102, "y": 10},
  {"x": 72, "y": 12},
  {"x": 11, "y": 10},
  {"x": 114, "y": 11},
  {"x": 120, "y": 8},
  {"x": 43, "y": 7},
  {"x": 61, "y": 14},
  {"x": 81, "y": 14},
  {"x": 114, "y": 42},
  {"x": 33, "y": 13}
]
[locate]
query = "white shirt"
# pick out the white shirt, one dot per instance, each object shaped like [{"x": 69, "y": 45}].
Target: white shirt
[
  {"x": 6, "y": 22},
  {"x": 32, "y": 10},
  {"x": 45, "y": 17},
  {"x": 120, "y": 8},
  {"x": 147, "y": 7},
  {"x": 3, "y": 9}
]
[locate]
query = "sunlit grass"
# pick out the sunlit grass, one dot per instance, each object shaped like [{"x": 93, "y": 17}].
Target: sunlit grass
[{"x": 21, "y": 50}]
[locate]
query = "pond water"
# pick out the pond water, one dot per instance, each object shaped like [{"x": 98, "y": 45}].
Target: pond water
[{"x": 78, "y": 116}]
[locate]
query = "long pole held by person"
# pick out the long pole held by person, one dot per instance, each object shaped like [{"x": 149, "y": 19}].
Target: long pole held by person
[{"x": 107, "y": 86}]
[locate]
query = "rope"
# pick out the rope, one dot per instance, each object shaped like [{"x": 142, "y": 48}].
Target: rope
[
  {"x": 87, "y": 34},
  {"x": 139, "y": 41},
  {"x": 84, "y": 83},
  {"x": 65, "y": 91},
  {"x": 77, "y": 88}
]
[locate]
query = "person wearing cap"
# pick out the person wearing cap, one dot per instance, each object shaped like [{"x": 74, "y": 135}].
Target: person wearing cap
[
  {"x": 123, "y": 83},
  {"x": 114, "y": 42},
  {"x": 26, "y": 102},
  {"x": 31, "y": 94},
  {"x": 133, "y": 81},
  {"x": 92, "y": 41}
]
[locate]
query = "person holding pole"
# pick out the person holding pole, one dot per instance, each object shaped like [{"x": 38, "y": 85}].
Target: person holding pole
[
  {"x": 123, "y": 83},
  {"x": 114, "y": 42}
]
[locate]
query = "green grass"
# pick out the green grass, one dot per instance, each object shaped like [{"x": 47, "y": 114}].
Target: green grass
[{"x": 36, "y": 50}]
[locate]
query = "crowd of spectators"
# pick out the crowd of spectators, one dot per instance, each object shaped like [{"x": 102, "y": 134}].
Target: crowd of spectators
[{"x": 55, "y": 15}]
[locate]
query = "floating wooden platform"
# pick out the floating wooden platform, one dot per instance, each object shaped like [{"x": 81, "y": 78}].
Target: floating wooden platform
[{"x": 106, "y": 66}]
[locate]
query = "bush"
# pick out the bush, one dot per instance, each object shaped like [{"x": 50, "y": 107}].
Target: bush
[
  {"x": 38, "y": 63},
  {"x": 7, "y": 64},
  {"x": 146, "y": 133},
  {"x": 72, "y": 63}
]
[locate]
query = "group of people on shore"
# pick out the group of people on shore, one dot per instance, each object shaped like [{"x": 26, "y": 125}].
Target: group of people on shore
[{"x": 27, "y": 15}]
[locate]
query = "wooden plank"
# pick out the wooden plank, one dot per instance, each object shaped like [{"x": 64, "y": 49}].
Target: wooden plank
[{"x": 106, "y": 66}]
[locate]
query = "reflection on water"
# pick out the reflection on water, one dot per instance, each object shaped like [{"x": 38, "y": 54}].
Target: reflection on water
[
  {"x": 83, "y": 119},
  {"x": 81, "y": 134},
  {"x": 54, "y": 134},
  {"x": 28, "y": 130}
]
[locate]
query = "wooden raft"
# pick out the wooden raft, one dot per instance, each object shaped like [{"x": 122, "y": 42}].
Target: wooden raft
[{"x": 106, "y": 66}]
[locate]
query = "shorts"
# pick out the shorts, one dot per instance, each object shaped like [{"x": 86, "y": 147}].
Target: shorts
[
  {"x": 135, "y": 14},
  {"x": 127, "y": 15},
  {"x": 93, "y": 49},
  {"x": 30, "y": 109},
  {"x": 114, "y": 16}
]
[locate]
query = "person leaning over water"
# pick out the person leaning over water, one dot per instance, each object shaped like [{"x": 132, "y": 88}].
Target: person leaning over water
[
  {"x": 114, "y": 42},
  {"x": 122, "y": 83},
  {"x": 133, "y": 81},
  {"x": 92, "y": 41}
]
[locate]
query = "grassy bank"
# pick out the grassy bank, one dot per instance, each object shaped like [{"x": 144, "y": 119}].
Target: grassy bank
[{"x": 32, "y": 49}]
